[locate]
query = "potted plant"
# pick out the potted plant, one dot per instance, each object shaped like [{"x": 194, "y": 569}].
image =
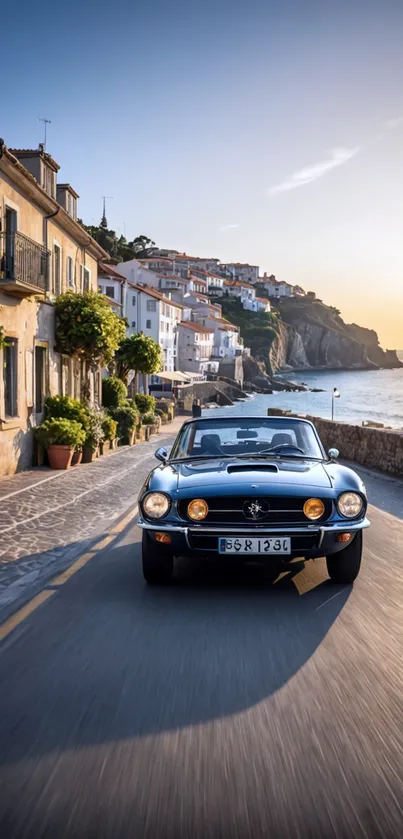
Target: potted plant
[
  {"x": 60, "y": 437},
  {"x": 94, "y": 435},
  {"x": 126, "y": 417},
  {"x": 144, "y": 403},
  {"x": 110, "y": 430}
]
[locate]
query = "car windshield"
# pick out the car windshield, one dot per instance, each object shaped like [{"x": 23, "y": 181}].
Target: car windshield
[{"x": 258, "y": 437}]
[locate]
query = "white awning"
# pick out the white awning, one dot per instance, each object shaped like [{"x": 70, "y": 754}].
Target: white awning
[
  {"x": 173, "y": 376},
  {"x": 194, "y": 375}
]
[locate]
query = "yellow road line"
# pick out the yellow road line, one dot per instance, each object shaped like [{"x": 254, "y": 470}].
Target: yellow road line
[
  {"x": 11, "y": 623},
  {"x": 124, "y": 522},
  {"x": 62, "y": 578},
  {"x": 23, "y": 613}
]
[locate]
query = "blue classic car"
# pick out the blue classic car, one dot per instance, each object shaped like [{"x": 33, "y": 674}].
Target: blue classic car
[{"x": 255, "y": 487}]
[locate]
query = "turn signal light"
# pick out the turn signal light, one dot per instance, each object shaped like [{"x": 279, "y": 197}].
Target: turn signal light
[
  {"x": 314, "y": 508},
  {"x": 164, "y": 538},
  {"x": 343, "y": 537}
]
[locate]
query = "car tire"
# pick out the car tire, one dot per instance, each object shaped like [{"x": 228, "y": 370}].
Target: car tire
[
  {"x": 344, "y": 566},
  {"x": 158, "y": 563}
]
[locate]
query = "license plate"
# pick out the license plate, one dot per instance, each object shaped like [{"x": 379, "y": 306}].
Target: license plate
[{"x": 272, "y": 545}]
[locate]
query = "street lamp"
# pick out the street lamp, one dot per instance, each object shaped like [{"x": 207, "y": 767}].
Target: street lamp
[{"x": 335, "y": 395}]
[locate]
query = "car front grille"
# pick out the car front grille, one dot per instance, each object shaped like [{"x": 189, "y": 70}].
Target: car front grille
[
  {"x": 233, "y": 510},
  {"x": 300, "y": 542}
]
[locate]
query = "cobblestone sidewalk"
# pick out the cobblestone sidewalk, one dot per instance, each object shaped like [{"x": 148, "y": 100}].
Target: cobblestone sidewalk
[{"x": 47, "y": 516}]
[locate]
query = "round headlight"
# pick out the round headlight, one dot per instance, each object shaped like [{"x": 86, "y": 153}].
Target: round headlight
[
  {"x": 314, "y": 508},
  {"x": 350, "y": 504},
  {"x": 156, "y": 505},
  {"x": 197, "y": 509}
]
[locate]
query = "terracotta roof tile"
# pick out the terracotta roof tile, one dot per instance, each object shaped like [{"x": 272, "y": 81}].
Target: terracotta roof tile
[{"x": 196, "y": 327}]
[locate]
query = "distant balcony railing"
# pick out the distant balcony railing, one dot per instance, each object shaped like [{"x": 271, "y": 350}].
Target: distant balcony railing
[{"x": 24, "y": 264}]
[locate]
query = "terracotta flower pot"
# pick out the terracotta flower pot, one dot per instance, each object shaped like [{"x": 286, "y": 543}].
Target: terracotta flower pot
[
  {"x": 77, "y": 458},
  {"x": 60, "y": 457},
  {"x": 89, "y": 454}
]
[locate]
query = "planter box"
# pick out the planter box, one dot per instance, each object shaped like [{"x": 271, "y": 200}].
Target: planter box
[
  {"x": 113, "y": 444},
  {"x": 147, "y": 432},
  {"x": 89, "y": 455},
  {"x": 130, "y": 439},
  {"x": 60, "y": 457}
]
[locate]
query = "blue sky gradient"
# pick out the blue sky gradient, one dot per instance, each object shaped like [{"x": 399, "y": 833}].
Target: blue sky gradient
[{"x": 216, "y": 128}]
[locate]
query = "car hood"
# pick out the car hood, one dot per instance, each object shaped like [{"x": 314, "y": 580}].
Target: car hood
[{"x": 235, "y": 473}]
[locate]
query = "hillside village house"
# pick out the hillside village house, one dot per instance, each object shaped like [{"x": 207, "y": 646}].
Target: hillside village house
[
  {"x": 148, "y": 311},
  {"x": 195, "y": 348},
  {"x": 275, "y": 288},
  {"x": 241, "y": 271},
  {"x": 243, "y": 291},
  {"x": 111, "y": 284},
  {"x": 43, "y": 252}
]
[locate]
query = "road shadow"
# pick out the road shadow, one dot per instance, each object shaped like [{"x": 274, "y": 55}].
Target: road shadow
[{"x": 109, "y": 659}]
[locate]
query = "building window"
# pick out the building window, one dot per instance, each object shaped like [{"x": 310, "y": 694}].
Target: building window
[
  {"x": 133, "y": 324},
  {"x": 134, "y": 300},
  {"x": 110, "y": 291},
  {"x": 70, "y": 272},
  {"x": 85, "y": 278},
  {"x": 10, "y": 377},
  {"x": 57, "y": 278},
  {"x": 40, "y": 381},
  {"x": 148, "y": 324},
  {"x": 151, "y": 305}
]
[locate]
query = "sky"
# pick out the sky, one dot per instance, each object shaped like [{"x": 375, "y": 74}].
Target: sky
[{"x": 268, "y": 132}]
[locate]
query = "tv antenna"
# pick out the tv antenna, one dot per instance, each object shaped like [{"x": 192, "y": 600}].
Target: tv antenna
[{"x": 45, "y": 121}]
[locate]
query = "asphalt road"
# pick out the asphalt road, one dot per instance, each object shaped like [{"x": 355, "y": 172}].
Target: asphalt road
[{"x": 225, "y": 706}]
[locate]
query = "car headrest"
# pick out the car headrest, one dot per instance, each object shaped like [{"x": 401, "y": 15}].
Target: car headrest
[
  {"x": 281, "y": 438},
  {"x": 210, "y": 444}
]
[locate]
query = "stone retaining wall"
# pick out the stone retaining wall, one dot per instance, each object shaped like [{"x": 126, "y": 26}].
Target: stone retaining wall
[{"x": 375, "y": 448}]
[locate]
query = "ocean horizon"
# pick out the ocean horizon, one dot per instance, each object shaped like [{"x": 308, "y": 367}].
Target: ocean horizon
[{"x": 365, "y": 395}]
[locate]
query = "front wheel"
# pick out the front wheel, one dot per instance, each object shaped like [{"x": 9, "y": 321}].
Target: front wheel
[
  {"x": 158, "y": 563},
  {"x": 344, "y": 566}
]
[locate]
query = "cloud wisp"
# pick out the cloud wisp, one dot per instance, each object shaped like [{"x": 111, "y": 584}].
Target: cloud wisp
[
  {"x": 228, "y": 227},
  {"x": 392, "y": 123},
  {"x": 317, "y": 170}
]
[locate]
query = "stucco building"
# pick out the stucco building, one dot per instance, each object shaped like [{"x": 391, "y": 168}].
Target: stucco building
[{"x": 43, "y": 252}]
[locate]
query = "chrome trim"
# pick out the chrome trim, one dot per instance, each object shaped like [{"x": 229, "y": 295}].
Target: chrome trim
[{"x": 336, "y": 527}]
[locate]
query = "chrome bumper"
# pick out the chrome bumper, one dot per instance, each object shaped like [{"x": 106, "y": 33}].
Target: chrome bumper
[{"x": 264, "y": 531}]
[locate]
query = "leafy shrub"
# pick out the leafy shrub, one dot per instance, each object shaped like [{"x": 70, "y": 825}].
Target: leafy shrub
[
  {"x": 60, "y": 432},
  {"x": 145, "y": 403},
  {"x": 87, "y": 328},
  {"x": 67, "y": 408},
  {"x": 159, "y": 412},
  {"x": 163, "y": 406},
  {"x": 148, "y": 419},
  {"x": 109, "y": 427},
  {"x": 126, "y": 418},
  {"x": 114, "y": 392},
  {"x": 94, "y": 431}
]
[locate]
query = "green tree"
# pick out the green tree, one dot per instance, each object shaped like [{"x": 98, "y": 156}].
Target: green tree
[
  {"x": 139, "y": 353},
  {"x": 118, "y": 248},
  {"x": 86, "y": 327}
]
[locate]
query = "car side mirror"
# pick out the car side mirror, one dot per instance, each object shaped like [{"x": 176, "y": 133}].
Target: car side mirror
[
  {"x": 161, "y": 454},
  {"x": 333, "y": 454}
]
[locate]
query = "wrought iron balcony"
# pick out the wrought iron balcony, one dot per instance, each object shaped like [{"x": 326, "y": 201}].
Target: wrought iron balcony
[{"x": 24, "y": 265}]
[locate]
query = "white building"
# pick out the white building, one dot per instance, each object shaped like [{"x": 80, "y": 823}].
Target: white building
[
  {"x": 279, "y": 289},
  {"x": 262, "y": 305},
  {"x": 148, "y": 311},
  {"x": 242, "y": 290},
  {"x": 111, "y": 284},
  {"x": 242, "y": 271},
  {"x": 195, "y": 348}
]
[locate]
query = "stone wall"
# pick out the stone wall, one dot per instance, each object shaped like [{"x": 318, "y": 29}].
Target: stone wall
[{"x": 375, "y": 448}]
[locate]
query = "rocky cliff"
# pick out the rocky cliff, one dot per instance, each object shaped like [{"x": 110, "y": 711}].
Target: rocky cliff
[{"x": 311, "y": 334}]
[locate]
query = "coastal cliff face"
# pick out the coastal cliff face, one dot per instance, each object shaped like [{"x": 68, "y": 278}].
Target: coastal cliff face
[{"x": 314, "y": 335}]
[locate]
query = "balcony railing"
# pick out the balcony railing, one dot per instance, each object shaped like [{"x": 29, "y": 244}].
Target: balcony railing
[{"x": 24, "y": 265}]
